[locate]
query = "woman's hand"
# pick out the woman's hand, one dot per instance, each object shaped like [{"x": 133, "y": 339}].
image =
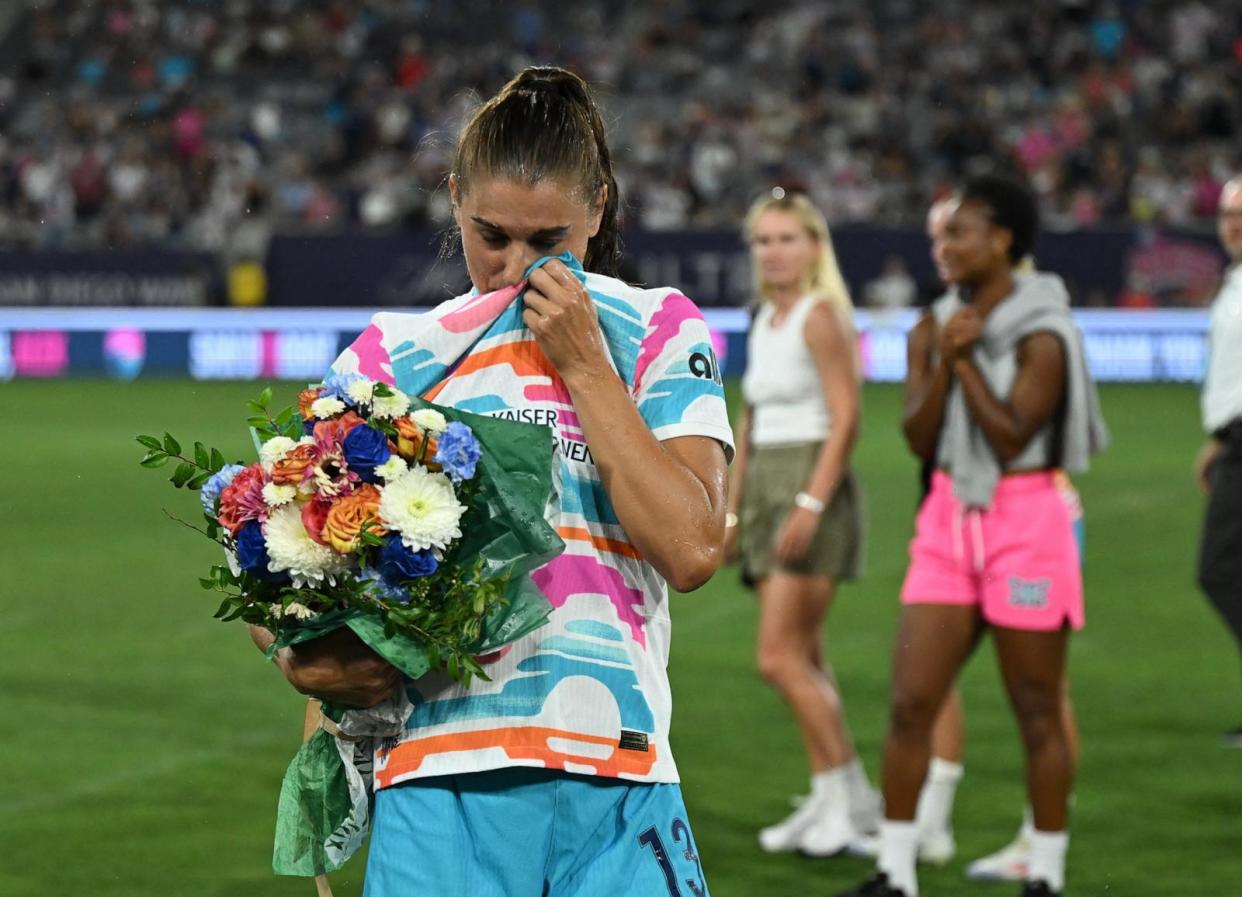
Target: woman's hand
[
  {"x": 796, "y": 534},
  {"x": 1204, "y": 462},
  {"x": 960, "y": 334},
  {"x": 337, "y": 668},
  {"x": 562, "y": 317}
]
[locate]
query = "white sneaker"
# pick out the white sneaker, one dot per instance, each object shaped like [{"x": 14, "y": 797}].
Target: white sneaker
[
  {"x": 786, "y": 835},
  {"x": 1010, "y": 863},
  {"x": 937, "y": 847},
  {"x": 830, "y": 833}
]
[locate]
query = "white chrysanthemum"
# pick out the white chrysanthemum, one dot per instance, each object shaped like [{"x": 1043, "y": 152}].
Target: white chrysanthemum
[
  {"x": 273, "y": 450},
  {"x": 301, "y": 611},
  {"x": 360, "y": 391},
  {"x": 423, "y": 508},
  {"x": 393, "y": 468},
  {"x": 391, "y": 406},
  {"x": 326, "y": 407},
  {"x": 275, "y": 496},
  {"x": 290, "y": 547},
  {"x": 430, "y": 420}
]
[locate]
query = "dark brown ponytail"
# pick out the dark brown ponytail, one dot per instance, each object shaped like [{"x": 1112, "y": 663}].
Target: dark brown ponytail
[{"x": 544, "y": 124}]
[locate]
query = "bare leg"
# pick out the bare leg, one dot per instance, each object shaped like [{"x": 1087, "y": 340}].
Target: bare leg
[
  {"x": 949, "y": 730},
  {"x": 791, "y": 613},
  {"x": 933, "y": 641},
  {"x": 1033, "y": 668},
  {"x": 1070, "y": 724}
]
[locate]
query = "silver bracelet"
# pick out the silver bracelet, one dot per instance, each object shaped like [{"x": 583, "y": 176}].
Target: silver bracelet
[{"x": 809, "y": 502}]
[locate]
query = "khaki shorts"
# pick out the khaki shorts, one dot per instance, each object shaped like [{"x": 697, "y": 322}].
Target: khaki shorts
[{"x": 774, "y": 475}]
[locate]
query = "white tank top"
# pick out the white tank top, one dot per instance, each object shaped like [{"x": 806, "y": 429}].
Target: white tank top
[{"x": 781, "y": 383}]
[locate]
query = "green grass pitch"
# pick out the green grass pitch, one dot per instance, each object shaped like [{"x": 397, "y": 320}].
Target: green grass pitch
[{"x": 144, "y": 742}]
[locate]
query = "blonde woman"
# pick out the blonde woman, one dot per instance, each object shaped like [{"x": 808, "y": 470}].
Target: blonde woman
[{"x": 798, "y": 504}]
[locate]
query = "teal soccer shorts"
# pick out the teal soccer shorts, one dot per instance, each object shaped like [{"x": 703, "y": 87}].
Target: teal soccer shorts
[{"x": 527, "y": 832}]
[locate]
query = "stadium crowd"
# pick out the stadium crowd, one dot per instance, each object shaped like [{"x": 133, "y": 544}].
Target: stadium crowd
[{"x": 208, "y": 124}]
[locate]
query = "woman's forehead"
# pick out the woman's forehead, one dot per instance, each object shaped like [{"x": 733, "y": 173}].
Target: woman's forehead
[{"x": 550, "y": 201}]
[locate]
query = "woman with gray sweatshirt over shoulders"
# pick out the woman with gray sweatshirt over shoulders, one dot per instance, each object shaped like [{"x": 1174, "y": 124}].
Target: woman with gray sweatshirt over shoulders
[{"x": 998, "y": 397}]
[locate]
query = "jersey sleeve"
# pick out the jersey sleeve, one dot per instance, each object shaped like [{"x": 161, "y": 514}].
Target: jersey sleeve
[{"x": 677, "y": 383}]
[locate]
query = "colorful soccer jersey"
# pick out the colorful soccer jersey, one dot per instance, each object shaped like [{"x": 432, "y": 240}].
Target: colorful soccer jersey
[{"x": 589, "y": 691}]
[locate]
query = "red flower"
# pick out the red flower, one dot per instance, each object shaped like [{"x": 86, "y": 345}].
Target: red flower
[
  {"x": 242, "y": 500},
  {"x": 314, "y": 515}
]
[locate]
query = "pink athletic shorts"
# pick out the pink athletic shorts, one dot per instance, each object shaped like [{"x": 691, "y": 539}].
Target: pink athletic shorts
[{"x": 1018, "y": 560}]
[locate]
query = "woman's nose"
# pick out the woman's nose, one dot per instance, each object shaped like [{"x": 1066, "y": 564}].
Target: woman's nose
[{"x": 517, "y": 260}]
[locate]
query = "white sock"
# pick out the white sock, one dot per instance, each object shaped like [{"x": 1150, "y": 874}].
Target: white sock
[
  {"x": 935, "y": 809},
  {"x": 831, "y": 785},
  {"x": 1047, "y": 861},
  {"x": 1028, "y": 824},
  {"x": 899, "y": 846},
  {"x": 861, "y": 792}
]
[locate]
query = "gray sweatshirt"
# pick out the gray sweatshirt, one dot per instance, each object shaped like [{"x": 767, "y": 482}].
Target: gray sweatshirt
[{"x": 1039, "y": 302}]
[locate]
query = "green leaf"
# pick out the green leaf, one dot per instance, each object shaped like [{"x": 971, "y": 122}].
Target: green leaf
[
  {"x": 217, "y": 461},
  {"x": 197, "y": 481},
  {"x": 182, "y": 474},
  {"x": 255, "y": 406},
  {"x": 293, "y": 429},
  {"x": 201, "y": 456},
  {"x": 207, "y": 584},
  {"x": 172, "y": 446},
  {"x": 258, "y": 421},
  {"x": 150, "y": 442},
  {"x": 285, "y": 416},
  {"x": 154, "y": 460},
  {"x": 224, "y": 608},
  {"x": 265, "y": 397}
]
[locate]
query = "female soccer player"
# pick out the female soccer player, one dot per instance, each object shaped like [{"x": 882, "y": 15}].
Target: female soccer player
[
  {"x": 799, "y": 505},
  {"x": 1001, "y": 399},
  {"x": 554, "y": 778}
]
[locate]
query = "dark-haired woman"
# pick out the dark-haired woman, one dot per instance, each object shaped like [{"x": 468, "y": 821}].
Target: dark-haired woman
[
  {"x": 555, "y": 777},
  {"x": 1000, "y": 398}
]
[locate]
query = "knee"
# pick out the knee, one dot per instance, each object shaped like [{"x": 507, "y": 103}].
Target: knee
[
  {"x": 775, "y": 665},
  {"x": 912, "y": 714},
  {"x": 1038, "y": 709}
]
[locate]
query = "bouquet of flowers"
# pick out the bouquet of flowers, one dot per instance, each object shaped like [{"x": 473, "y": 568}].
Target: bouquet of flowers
[{"x": 413, "y": 525}]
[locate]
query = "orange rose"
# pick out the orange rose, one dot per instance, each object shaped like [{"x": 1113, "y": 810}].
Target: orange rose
[
  {"x": 347, "y": 517},
  {"x": 291, "y": 469},
  {"x": 410, "y": 438},
  {"x": 306, "y": 398}
]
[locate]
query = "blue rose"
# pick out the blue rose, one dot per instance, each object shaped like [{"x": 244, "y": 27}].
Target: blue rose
[
  {"x": 366, "y": 449},
  {"x": 215, "y": 485},
  {"x": 458, "y": 451},
  {"x": 397, "y": 562},
  {"x": 252, "y": 553}
]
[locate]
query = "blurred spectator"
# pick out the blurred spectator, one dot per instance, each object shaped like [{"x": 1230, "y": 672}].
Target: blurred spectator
[
  {"x": 149, "y": 121},
  {"x": 894, "y": 288}
]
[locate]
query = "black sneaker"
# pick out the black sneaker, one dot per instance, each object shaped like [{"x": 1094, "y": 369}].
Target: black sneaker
[
  {"x": 1232, "y": 738},
  {"x": 1038, "y": 889},
  {"x": 876, "y": 886}
]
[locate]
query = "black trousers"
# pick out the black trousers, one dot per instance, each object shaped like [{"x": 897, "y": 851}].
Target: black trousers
[{"x": 1220, "y": 548}]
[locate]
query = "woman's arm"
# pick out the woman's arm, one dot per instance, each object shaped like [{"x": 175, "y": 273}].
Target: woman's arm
[
  {"x": 1037, "y": 391},
  {"x": 927, "y": 389},
  {"x": 834, "y": 356},
  {"x": 669, "y": 496},
  {"x": 737, "y": 480}
]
